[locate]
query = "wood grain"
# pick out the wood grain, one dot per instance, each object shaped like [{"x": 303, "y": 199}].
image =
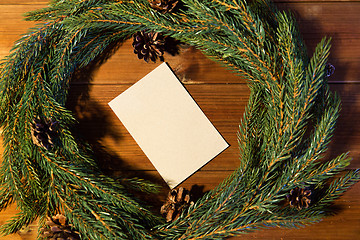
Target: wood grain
[{"x": 221, "y": 95}]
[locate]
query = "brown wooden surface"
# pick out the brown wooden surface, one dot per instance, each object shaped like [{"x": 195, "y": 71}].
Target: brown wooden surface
[{"x": 222, "y": 96}]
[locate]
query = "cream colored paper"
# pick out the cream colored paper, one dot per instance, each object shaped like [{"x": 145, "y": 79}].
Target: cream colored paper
[{"x": 168, "y": 125}]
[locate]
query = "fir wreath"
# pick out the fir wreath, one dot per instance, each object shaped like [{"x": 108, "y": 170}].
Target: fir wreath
[{"x": 286, "y": 127}]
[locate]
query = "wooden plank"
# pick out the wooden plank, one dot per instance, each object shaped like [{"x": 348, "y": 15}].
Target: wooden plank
[
  {"x": 315, "y": 17},
  {"x": 347, "y": 71},
  {"x": 11, "y": 20},
  {"x": 190, "y": 65},
  {"x": 32, "y": 2},
  {"x": 328, "y": 18},
  {"x": 24, "y": 2},
  {"x": 343, "y": 45},
  {"x": 223, "y": 104}
]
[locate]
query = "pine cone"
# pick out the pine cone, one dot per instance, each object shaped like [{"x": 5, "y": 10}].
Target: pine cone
[
  {"x": 149, "y": 45},
  {"x": 163, "y": 6},
  {"x": 57, "y": 228},
  {"x": 176, "y": 202},
  {"x": 43, "y": 133},
  {"x": 299, "y": 198}
]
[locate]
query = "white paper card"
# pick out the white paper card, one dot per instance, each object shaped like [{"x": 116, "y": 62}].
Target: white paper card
[{"x": 168, "y": 125}]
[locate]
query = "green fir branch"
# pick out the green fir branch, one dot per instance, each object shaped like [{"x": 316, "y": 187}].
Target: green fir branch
[{"x": 289, "y": 99}]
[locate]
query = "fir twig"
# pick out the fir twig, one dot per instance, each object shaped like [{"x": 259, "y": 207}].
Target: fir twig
[{"x": 289, "y": 99}]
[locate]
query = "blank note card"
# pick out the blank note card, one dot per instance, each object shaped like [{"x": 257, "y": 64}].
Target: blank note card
[{"x": 168, "y": 125}]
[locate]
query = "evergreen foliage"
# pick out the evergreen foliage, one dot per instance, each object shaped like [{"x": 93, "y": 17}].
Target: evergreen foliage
[{"x": 285, "y": 130}]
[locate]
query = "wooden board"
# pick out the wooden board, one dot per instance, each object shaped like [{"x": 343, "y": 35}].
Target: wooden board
[{"x": 221, "y": 95}]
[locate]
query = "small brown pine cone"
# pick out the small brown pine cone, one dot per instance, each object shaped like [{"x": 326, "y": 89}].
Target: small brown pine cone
[
  {"x": 149, "y": 45},
  {"x": 176, "y": 202},
  {"x": 299, "y": 198},
  {"x": 163, "y": 6},
  {"x": 43, "y": 132},
  {"x": 58, "y": 228}
]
